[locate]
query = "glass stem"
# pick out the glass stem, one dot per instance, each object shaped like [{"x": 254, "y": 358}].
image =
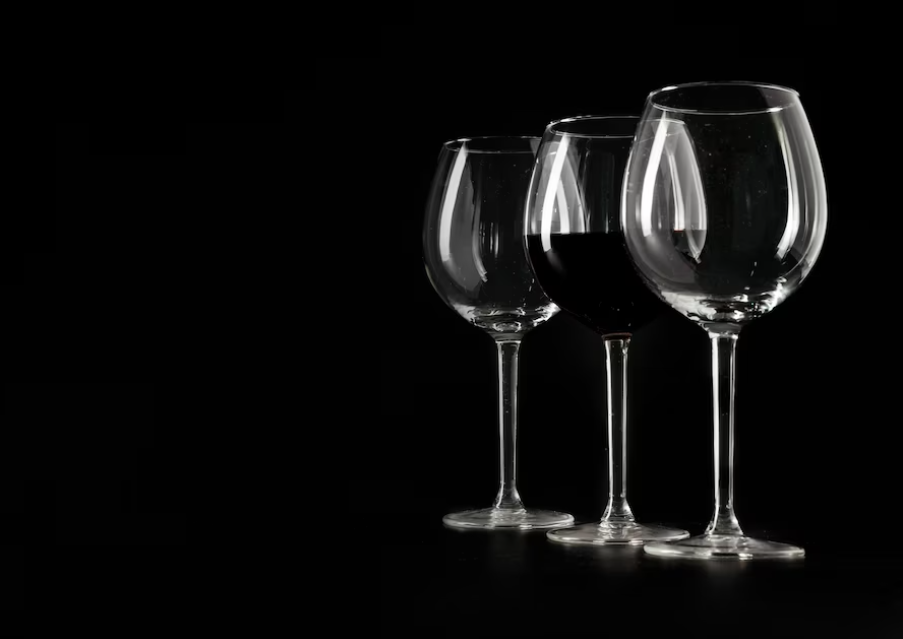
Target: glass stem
[
  {"x": 617, "y": 509},
  {"x": 508, "y": 352},
  {"x": 724, "y": 347}
]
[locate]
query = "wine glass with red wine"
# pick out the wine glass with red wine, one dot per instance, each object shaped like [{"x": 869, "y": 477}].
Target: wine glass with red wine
[
  {"x": 724, "y": 214},
  {"x": 576, "y": 249},
  {"x": 474, "y": 255}
]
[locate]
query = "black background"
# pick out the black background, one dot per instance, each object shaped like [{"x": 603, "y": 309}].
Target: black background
[
  {"x": 141, "y": 358},
  {"x": 816, "y": 404},
  {"x": 148, "y": 324}
]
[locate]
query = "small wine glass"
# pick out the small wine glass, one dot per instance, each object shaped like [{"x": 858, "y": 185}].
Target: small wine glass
[
  {"x": 576, "y": 249},
  {"x": 475, "y": 259},
  {"x": 724, "y": 212}
]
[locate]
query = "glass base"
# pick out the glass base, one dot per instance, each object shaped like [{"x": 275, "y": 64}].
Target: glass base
[
  {"x": 615, "y": 533},
  {"x": 522, "y": 518},
  {"x": 725, "y": 547}
]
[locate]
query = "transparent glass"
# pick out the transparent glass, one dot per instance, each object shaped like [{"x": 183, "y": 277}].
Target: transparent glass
[
  {"x": 475, "y": 259},
  {"x": 576, "y": 249},
  {"x": 724, "y": 212}
]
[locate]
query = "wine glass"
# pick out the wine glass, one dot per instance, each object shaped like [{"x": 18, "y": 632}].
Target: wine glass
[
  {"x": 475, "y": 259},
  {"x": 724, "y": 213},
  {"x": 576, "y": 249}
]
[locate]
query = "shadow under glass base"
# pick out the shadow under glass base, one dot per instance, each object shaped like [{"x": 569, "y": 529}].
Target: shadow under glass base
[
  {"x": 737, "y": 547},
  {"x": 614, "y": 533},
  {"x": 522, "y": 518}
]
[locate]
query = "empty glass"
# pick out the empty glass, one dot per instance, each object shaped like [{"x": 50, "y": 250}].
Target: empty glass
[
  {"x": 724, "y": 213},
  {"x": 475, "y": 259}
]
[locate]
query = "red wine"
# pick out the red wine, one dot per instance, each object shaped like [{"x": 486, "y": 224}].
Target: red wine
[{"x": 590, "y": 275}]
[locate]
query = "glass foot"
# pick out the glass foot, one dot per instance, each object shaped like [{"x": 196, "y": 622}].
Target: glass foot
[
  {"x": 725, "y": 547},
  {"x": 611, "y": 533},
  {"x": 523, "y": 518}
]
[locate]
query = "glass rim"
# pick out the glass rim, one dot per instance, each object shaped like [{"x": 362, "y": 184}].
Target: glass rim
[
  {"x": 553, "y": 126},
  {"x": 458, "y": 143},
  {"x": 651, "y": 97}
]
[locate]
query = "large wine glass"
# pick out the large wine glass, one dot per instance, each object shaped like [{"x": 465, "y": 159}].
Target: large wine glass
[
  {"x": 576, "y": 249},
  {"x": 475, "y": 259},
  {"x": 724, "y": 213}
]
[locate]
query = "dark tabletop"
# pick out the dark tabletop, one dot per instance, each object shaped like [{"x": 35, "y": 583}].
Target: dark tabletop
[{"x": 442, "y": 582}]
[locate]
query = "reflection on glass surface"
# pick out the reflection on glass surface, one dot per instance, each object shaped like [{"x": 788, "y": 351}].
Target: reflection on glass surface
[
  {"x": 726, "y": 211},
  {"x": 473, "y": 244}
]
